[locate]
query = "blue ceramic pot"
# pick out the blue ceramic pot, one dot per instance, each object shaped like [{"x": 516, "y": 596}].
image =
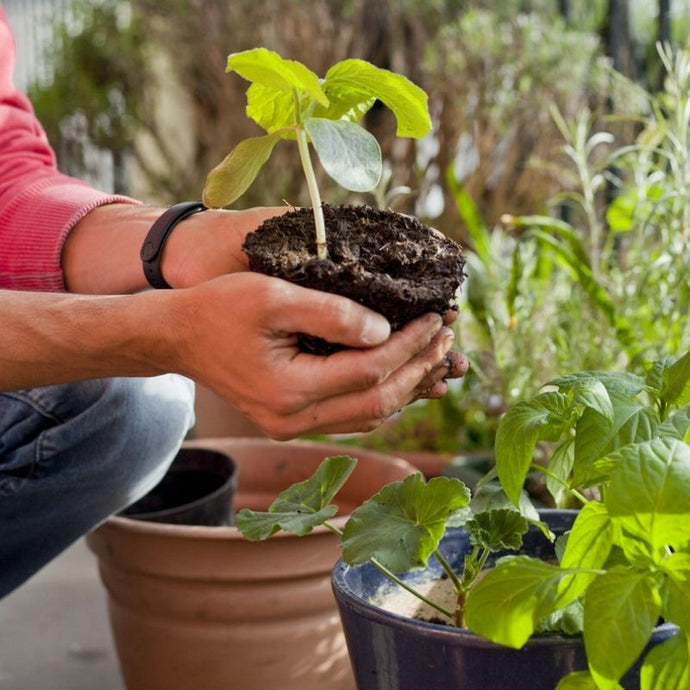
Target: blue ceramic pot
[{"x": 392, "y": 652}]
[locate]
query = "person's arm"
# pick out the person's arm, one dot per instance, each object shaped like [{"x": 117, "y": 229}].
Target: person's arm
[{"x": 236, "y": 335}]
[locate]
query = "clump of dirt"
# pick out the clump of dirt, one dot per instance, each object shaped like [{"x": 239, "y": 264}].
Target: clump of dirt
[{"x": 389, "y": 262}]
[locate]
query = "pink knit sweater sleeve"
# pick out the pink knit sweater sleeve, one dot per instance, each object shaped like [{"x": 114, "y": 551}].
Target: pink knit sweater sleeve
[{"x": 38, "y": 204}]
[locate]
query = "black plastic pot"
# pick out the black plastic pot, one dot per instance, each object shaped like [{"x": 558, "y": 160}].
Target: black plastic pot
[
  {"x": 392, "y": 652},
  {"x": 198, "y": 489}
]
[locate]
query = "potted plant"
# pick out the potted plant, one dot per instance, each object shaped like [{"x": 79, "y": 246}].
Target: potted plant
[
  {"x": 201, "y": 606},
  {"x": 387, "y": 261},
  {"x": 586, "y": 619}
]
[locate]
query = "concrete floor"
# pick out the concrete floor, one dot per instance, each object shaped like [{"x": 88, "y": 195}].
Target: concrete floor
[{"x": 54, "y": 631}]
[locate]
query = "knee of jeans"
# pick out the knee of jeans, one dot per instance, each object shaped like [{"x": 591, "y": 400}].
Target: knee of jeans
[{"x": 147, "y": 420}]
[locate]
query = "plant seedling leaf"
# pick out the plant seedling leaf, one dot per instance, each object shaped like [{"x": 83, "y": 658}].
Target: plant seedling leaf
[
  {"x": 266, "y": 67},
  {"x": 648, "y": 496},
  {"x": 667, "y": 665},
  {"x": 365, "y": 81},
  {"x": 348, "y": 153},
  {"x": 497, "y": 529},
  {"x": 508, "y": 602},
  {"x": 302, "y": 506},
  {"x": 232, "y": 177},
  {"x": 518, "y": 432},
  {"x": 621, "y": 609},
  {"x": 402, "y": 525},
  {"x": 271, "y": 109}
]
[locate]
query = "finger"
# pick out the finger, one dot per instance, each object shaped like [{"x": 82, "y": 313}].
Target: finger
[
  {"x": 364, "y": 410},
  {"x": 331, "y": 317},
  {"x": 354, "y": 370},
  {"x": 451, "y": 314}
]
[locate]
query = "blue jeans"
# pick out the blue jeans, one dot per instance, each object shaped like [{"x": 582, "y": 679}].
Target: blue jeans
[{"x": 71, "y": 455}]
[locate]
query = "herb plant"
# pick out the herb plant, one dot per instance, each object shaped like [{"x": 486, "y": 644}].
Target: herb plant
[
  {"x": 620, "y": 443},
  {"x": 289, "y": 101}
]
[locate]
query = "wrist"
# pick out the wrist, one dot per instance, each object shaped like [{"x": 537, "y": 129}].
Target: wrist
[{"x": 101, "y": 252}]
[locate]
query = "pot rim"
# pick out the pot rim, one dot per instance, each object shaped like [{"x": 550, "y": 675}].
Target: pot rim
[{"x": 222, "y": 532}]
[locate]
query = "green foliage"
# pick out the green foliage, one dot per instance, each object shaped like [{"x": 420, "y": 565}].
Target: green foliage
[
  {"x": 402, "y": 525},
  {"x": 629, "y": 435},
  {"x": 302, "y": 506},
  {"x": 289, "y": 101},
  {"x": 624, "y": 564}
]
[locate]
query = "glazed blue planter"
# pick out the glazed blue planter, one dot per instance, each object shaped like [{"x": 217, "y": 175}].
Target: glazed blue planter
[{"x": 392, "y": 652}]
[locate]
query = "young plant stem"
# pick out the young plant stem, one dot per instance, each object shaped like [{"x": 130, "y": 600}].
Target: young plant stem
[
  {"x": 394, "y": 578},
  {"x": 573, "y": 492},
  {"x": 314, "y": 195}
]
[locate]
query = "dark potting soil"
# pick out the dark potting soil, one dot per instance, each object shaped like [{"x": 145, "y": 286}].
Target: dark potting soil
[{"x": 391, "y": 263}]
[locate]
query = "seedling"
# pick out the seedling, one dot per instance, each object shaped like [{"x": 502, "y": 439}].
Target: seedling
[
  {"x": 624, "y": 565},
  {"x": 289, "y": 101}
]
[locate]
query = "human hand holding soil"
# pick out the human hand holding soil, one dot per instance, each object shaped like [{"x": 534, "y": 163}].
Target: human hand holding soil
[{"x": 260, "y": 369}]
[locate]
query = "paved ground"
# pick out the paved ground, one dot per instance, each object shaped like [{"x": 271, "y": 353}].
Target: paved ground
[{"x": 54, "y": 632}]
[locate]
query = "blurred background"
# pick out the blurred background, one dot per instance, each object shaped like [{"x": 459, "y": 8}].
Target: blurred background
[{"x": 558, "y": 157}]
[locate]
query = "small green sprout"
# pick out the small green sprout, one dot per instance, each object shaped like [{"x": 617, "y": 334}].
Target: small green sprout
[{"x": 289, "y": 101}]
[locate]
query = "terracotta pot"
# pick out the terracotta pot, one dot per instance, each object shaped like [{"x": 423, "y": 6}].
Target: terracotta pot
[{"x": 201, "y": 607}]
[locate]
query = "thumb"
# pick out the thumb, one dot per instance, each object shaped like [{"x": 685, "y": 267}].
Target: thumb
[{"x": 333, "y": 318}]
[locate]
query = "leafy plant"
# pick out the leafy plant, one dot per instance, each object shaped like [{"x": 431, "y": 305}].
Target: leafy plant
[
  {"x": 619, "y": 443},
  {"x": 289, "y": 101},
  {"x": 624, "y": 244}
]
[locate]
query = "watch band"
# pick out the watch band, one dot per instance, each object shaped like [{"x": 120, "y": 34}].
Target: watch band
[{"x": 152, "y": 249}]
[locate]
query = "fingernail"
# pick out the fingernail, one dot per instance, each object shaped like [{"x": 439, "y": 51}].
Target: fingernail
[{"x": 376, "y": 330}]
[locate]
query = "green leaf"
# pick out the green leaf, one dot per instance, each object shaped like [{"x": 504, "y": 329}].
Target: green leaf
[
  {"x": 580, "y": 680},
  {"x": 269, "y": 69},
  {"x": 491, "y": 496},
  {"x": 593, "y": 394},
  {"x": 648, "y": 495},
  {"x": 273, "y": 110},
  {"x": 564, "y": 231},
  {"x": 233, "y": 176},
  {"x": 407, "y": 101},
  {"x": 667, "y": 665},
  {"x": 402, "y": 525},
  {"x": 676, "y": 426},
  {"x": 625, "y": 383},
  {"x": 471, "y": 217},
  {"x": 518, "y": 432},
  {"x": 568, "y": 620},
  {"x": 621, "y": 610},
  {"x": 619, "y": 214},
  {"x": 588, "y": 546},
  {"x": 508, "y": 602},
  {"x": 348, "y": 153},
  {"x": 560, "y": 467},
  {"x": 302, "y": 506},
  {"x": 676, "y": 590},
  {"x": 497, "y": 529},
  {"x": 678, "y": 391},
  {"x": 598, "y": 437}
]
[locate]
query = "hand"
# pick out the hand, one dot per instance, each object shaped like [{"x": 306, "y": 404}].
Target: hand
[{"x": 242, "y": 342}]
